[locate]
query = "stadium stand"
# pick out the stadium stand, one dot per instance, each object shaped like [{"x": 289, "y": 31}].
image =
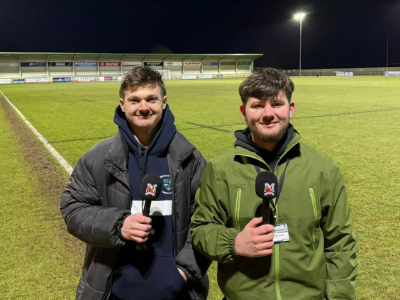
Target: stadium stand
[{"x": 62, "y": 67}]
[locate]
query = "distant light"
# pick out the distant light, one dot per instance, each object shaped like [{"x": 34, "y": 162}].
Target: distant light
[{"x": 299, "y": 16}]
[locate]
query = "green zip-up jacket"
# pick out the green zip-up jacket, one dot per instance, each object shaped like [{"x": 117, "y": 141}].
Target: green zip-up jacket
[{"x": 320, "y": 260}]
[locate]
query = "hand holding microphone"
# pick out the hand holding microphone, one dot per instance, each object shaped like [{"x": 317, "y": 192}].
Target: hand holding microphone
[
  {"x": 136, "y": 227},
  {"x": 255, "y": 240}
]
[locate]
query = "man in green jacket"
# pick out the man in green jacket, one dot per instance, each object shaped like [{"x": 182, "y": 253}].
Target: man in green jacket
[{"x": 319, "y": 261}]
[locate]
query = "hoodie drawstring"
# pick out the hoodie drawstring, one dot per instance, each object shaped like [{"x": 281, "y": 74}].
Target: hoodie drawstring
[{"x": 142, "y": 166}]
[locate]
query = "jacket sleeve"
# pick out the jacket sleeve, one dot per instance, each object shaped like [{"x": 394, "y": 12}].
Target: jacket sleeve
[
  {"x": 192, "y": 263},
  {"x": 83, "y": 212},
  {"x": 210, "y": 234},
  {"x": 340, "y": 244}
]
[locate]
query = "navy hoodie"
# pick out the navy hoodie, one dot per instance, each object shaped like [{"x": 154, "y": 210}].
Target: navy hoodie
[{"x": 150, "y": 273}]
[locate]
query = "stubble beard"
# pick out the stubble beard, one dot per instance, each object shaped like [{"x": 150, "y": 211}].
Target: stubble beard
[{"x": 269, "y": 138}]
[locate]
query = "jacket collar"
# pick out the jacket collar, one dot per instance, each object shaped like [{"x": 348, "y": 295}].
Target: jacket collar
[
  {"x": 240, "y": 151},
  {"x": 180, "y": 149},
  {"x": 116, "y": 161}
]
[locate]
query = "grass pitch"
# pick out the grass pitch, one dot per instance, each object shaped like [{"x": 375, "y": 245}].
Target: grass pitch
[{"x": 353, "y": 120}]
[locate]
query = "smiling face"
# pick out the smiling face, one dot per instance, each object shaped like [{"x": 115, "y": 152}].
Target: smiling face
[
  {"x": 268, "y": 120},
  {"x": 143, "y": 107}
]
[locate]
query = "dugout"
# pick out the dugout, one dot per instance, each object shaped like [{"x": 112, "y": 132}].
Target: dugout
[{"x": 36, "y": 65}]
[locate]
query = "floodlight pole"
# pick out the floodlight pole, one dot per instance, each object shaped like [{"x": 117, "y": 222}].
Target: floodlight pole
[
  {"x": 301, "y": 26},
  {"x": 300, "y": 16}
]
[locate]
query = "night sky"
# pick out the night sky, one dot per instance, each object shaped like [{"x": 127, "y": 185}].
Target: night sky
[{"x": 336, "y": 33}]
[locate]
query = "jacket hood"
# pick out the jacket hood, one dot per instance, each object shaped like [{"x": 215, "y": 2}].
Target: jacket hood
[{"x": 161, "y": 140}]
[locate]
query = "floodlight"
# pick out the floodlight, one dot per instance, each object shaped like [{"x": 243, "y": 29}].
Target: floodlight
[{"x": 299, "y": 16}]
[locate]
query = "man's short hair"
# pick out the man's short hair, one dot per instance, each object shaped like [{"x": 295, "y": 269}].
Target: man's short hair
[
  {"x": 266, "y": 84},
  {"x": 140, "y": 77}
]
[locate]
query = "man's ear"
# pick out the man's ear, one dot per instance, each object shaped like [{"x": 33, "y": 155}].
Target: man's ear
[
  {"x": 121, "y": 104},
  {"x": 164, "y": 102},
  {"x": 243, "y": 111},
  {"x": 292, "y": 106}
]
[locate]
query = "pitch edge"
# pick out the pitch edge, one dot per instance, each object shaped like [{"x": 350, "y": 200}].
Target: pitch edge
[{"x": 53, "y": 151}]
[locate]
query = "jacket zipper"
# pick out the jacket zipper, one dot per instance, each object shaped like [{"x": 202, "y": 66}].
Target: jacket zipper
[
  {"x": 237, "y": 207},
  {"x": 276, "y": 250},
  {"x": 276, "y": 262},
  {"x": 314, "y": 205}
]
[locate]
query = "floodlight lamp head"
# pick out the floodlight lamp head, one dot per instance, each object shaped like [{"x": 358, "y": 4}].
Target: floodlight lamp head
[{"x": 299, "y": 16}]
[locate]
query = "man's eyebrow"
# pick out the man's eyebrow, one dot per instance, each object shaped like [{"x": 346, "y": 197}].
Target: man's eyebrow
[
  {"x": 137, "y": 97},
  {"x": 275, "y": 99},
  {"x": 152, "y": 95}
]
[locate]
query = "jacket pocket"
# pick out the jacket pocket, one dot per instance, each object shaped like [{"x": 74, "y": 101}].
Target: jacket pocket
[
  {"x": 100, "y": 271},
  {"x": 316, "y": 219},
  {"x": 89, "y": 293}
]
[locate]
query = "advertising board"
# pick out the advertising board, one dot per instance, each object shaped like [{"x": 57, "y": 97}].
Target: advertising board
[
  {"x": 83, "y": 79},
  {"x": 109, "y": 64},
  {"x": 8, "y": 64},
  {"x": 189, "y": 76},
  {"x": 228, "y": 63},
  {"x": 210, "y": 63},
  {"x": 154, "y": 64},
  {"x": 5, "y": 81},
  {"x": 33, "y": 64},
  {"x": 85, "y": 64},
  {"x": 173, "y": 63},
  {"x": 131, "y": 63},
  {"x": 107, "y": 78},
  {"x": 60, "y": 64},
  {"x": 62, "y": 79},
  {"x": 192, "y": 63},
  {"x": 392, "y": 73}
]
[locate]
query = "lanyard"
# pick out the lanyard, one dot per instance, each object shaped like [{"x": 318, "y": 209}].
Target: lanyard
[{"x": 280, "y": 185}]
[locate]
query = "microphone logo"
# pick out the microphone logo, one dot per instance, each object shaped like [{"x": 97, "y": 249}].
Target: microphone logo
[
  {"x": 151, "y": 190},
  {"x": 269, "y": 189}
]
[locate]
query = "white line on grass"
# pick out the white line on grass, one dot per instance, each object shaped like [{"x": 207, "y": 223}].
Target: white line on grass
[{"x": 53, "y": 151}]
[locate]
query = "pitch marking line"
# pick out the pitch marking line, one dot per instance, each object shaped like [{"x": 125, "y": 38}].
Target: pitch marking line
[
  {"x": 216, "y": 127},
  {"x": 53, "y": 151},
  {"x": 209, "y": 127}
]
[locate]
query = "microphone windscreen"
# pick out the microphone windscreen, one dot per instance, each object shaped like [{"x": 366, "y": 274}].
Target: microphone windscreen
[
  {"x": 266, "y": 185},
  {"x": 150, "y": 187}
]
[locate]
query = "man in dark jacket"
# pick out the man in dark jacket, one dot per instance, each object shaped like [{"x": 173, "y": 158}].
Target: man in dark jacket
[{"x": 102, "y": 205}]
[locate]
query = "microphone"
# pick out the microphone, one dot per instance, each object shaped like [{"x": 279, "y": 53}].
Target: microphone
[
  {"x": 267, "y": 189},
  {"x": 149, "y": 190}
]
